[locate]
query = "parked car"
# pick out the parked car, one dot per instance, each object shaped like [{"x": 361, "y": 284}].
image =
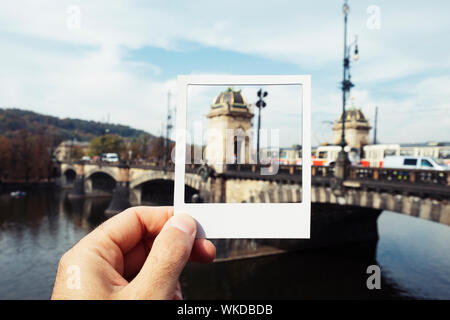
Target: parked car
[
  {"x": 406, "y": 162},
  {"x": 86, "y": 158},
  {"x": 110, "y": 157}
]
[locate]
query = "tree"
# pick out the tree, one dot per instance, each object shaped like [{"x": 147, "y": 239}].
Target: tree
[
  {"x": 140, "y": 147},
  {"x": 157, "y": 149},
  {"x": 23, "y": 153},
  {"x": 107, "y": 143},
  {"x": 26, "y": 157},
  {"x": 13, "y": 120},
  {"x": 76, "y": 152},
  {"x": 5, "y": 157},
  {"x": 41, "y": 156}
]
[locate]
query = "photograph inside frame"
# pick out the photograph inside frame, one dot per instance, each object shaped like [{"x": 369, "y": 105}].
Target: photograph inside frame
[{"x": 242, "y": 141}]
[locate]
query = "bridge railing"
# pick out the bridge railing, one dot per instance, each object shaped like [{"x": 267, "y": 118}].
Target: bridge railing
[
  {"x": 283, "y": 172},
  {"x": 132, "y": 164},
  {"x": 322, "y": 171},
  {"x": 323, "y": 174},
  {"x": 426, "y": 177},
  {"x": 192, "y": 168}
]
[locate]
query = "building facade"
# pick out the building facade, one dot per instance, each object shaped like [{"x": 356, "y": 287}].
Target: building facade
[
  {"x": 65, "y": 148},
  {"x": 229, "y": 130}
]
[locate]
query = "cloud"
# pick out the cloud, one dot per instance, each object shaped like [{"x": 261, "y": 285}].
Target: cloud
[
  {"x": 96, "y": 85},
  {"x": 422, "y": 116},
  {"x": 87, "y": 72},
  {"x": 306, "y": 34}
]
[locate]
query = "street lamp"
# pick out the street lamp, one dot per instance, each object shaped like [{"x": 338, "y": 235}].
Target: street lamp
[
  {"x": 168, "y": 128},
  {"x": 260, "y": 104},
  {"x": 343, "y": 161}
]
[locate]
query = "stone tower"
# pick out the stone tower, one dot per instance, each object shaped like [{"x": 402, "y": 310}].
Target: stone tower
[
  {"x": 229, "y": 130},
  {"x": 356, "y": 129}
]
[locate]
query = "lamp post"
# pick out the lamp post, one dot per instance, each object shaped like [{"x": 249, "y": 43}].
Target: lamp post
[
  {"x": 103, "y": 148},
  {"x": 168, "y": 128},
  {"x": 343, "y": 161},
  {"x": 260, "y": 104}
]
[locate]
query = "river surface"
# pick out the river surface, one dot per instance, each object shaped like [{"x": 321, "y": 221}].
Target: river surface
[{"x": 413, "y": 254}]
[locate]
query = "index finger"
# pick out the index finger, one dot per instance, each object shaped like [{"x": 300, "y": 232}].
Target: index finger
[{"x": 128, "y": 228}]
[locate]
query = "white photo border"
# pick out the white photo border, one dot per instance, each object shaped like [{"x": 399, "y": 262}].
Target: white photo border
[{"x": 246, "y": 220}]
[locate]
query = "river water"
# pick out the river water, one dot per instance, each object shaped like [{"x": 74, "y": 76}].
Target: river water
[{"x": 413, "y": 254}]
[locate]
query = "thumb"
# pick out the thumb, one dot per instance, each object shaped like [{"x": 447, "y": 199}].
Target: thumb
[{"x": 169, "y": 254}]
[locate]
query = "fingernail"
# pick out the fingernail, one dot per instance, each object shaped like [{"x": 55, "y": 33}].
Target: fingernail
[{"x": 183, "y": 222}]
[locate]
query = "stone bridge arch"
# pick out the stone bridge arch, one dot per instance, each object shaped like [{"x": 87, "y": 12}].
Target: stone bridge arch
[
  {"x": 68, "y": 175},
  {"x": 66, "y": 166},
  {"x": 100, "y": 180},
  {"x": 192, "y": 181},
  {"x": 147, "y": 176},
  {"x": 111, "y": 171}
]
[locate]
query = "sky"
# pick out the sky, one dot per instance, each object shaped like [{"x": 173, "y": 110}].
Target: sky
[{"x": 116, "y": 60}]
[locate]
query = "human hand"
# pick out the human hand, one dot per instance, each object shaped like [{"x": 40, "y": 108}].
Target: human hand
[{"x": 133, "y": 255}]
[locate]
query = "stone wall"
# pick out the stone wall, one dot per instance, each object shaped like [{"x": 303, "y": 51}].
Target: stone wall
[{"x": 239, "y": 190}]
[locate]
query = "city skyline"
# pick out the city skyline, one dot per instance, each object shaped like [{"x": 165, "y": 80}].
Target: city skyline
[{"x": 120, "y": 64}]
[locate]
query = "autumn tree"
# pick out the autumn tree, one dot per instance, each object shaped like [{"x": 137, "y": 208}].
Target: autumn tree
[
  {"x": 23, "y": 155},
  {"x": 140, "y": 147},
  {"x": 5, "y": 157},
  {"x": 76, "y": 153},
  {"x": 157, "y": 149},
  {"x": 41, "y": 155},
  {"x": 26, "y": 157},
  {"x": 107, "y": 143}
]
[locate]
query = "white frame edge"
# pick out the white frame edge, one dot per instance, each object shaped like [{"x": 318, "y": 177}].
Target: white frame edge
[{"x": 246, "y": 220}]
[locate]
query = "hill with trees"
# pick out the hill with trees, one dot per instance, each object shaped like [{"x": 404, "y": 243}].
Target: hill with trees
[
  {"x": 12, "y": 121},
  {"x": 28, "y": 141}
]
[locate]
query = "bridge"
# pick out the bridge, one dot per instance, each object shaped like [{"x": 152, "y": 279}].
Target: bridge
[
  {"x": 420, "y": 193},
  {"x": 346, "y": 200}
]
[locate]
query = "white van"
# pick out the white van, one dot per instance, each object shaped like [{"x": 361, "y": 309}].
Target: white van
[
  {"x": 110, "y": 157},
  {"x": 406, "y": 162}
]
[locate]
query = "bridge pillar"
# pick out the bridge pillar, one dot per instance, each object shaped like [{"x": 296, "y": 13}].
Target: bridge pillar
[
  {"x": 218, "y": 189},
  {"x": 121, "y": 193},
  {"x": 342, "y": 165},
  {"x": 78, "y": 185},
  {"x": 136, "y": 195}
]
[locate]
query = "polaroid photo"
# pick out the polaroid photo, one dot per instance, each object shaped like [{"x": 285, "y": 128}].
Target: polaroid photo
[{"x": 243, "y": 155}]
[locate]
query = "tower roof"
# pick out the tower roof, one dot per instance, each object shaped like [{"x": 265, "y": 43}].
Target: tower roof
[
  {"x": 353, "y": 114},
  {"x": 230, "y": 98},
  {"x": 230, "y": 103}
]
